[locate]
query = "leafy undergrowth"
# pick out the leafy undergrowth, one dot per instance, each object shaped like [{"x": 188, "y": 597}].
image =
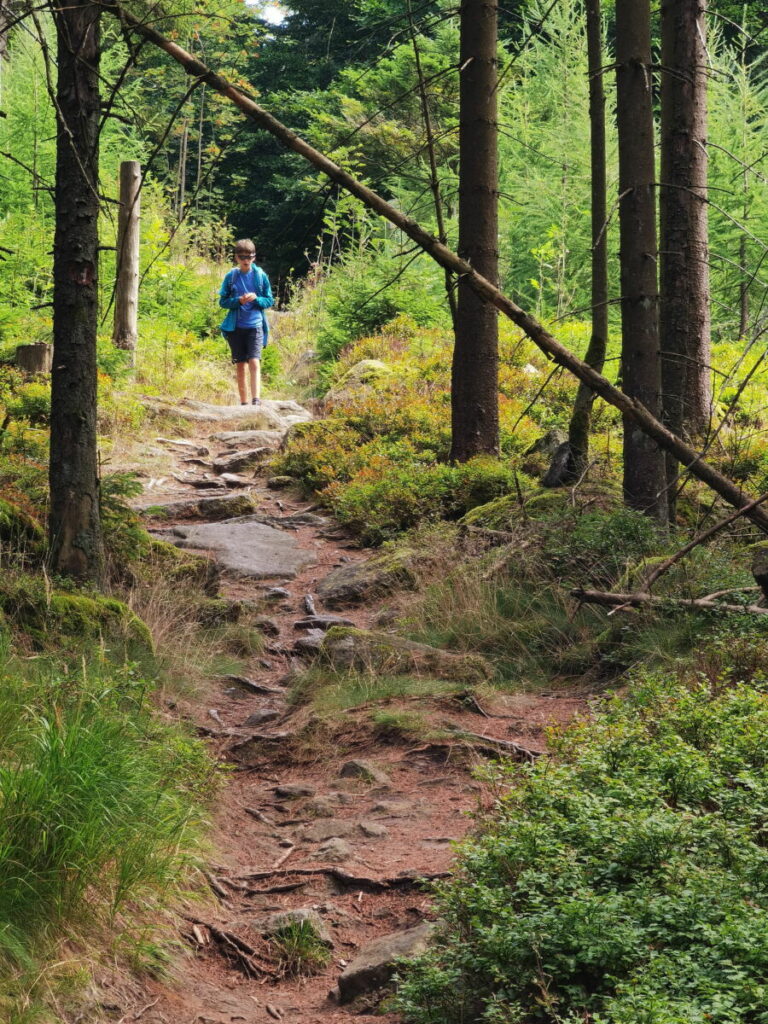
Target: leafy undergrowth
[{"x": 624, "y": 880}]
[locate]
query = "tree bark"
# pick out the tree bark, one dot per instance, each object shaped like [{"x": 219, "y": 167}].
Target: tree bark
[
  {"x": 34, "y": 358},
  {"x": 644, "y": 474},
  {"x": 475, "y": 369},
  {"x": 630, "y": 408},
  {"x": 125, "y": 332},
  {"x": 684, "y": 318},
  {"x": 74, "y": 525},
  {"x": 581, "y": 417}
]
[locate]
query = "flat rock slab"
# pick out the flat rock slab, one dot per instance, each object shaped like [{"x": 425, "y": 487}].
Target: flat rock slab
[
  {"x": 252, "y": 550},
  {"x": 249, "y": 438}
]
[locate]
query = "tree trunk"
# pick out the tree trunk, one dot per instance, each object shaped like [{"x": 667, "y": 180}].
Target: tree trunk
[
  {"x": 684, "y": 317},
  {"x": 475, "y": 370},
  {"x": 630, "y": 408},
  {"x": 74, "y": 526},
  {"x": 125, "y": 332},
  {"x": 578, "y": 431},
  {"x": 644, "y": 475}
]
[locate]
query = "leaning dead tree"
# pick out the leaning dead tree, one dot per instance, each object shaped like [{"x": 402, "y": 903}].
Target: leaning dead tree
[{"x": 630, "y": 408}]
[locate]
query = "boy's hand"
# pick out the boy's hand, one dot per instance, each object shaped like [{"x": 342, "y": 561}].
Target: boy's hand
[{"x": 248, "y": 297}]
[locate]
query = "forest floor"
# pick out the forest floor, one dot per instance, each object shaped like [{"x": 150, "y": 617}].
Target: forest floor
[{"x": 293, "y": 828}]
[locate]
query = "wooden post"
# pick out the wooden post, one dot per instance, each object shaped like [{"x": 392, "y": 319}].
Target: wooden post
[{"x": 125, "y": 333}]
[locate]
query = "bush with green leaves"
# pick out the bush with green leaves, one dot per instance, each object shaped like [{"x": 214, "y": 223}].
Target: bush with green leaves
[{"x": 623, "y": 880}]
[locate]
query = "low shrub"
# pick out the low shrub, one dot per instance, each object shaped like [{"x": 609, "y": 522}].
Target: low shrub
[{"x": 624, "y": 880}]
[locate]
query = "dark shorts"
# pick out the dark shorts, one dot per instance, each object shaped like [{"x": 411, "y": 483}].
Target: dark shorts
[{"x": 245, "y": 343}]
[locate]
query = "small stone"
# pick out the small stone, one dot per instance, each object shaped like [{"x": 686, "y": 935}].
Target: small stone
[
  {"x": 321, "y": 831},
  {"x": 260, "y": 717},
  {"x": 335, "y": 851},
  {"x": 359, "y": 769},
  {"x": 266, "y": 625},
  {"x": 277, "y": 594},
  {"x": 323, "y": 622},
  {"x": 279, "y": 483},
  {"x": 294, "y": 790},
  {"x": 322, "y": 807},
  {"x": 373, "y": 829},
  {"x": 392, "y": 808}
]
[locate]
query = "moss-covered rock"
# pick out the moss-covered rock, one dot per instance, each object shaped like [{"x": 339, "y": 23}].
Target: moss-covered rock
[
  {"x": 353, "y": 584},
  {"x": 506, "y": 513},
  {"x": 19, "y": 530},
  {"x": 193, "y": 572},
  {"x": 348, "y": 648},
  {"x": 54, "y": 619},
  {"x": 213, "y": 509}
]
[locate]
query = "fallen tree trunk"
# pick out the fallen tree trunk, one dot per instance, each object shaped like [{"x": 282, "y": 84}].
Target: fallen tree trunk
[
  {"x": 636, "y": 600},
  {"x": 630, "y": 408}
]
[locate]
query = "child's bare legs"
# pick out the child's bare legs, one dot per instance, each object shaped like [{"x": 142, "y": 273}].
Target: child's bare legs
[
  {"x": 254, "y": 365},
  {"x": 240, "y": 371}
]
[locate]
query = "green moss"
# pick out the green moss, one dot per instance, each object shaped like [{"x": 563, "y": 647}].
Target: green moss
[
  {"x": 548, "y": 503},
  {"x": 182, "y": 567},
  {"x": 53, "y": 620}
]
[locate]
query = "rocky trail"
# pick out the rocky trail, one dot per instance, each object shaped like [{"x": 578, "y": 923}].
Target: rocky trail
[{"x": 338, "y": 827}]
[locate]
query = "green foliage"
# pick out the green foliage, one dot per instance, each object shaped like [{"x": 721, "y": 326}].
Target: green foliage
[
  {"x": 32, "y": 402},
  {"x": 388, "y": 498},
  {"x": 84, "y": 767},
  {"x": 55, "y": 619},
  {"x": 300, "y": 950},
  {"x": 624, "y": 880}
]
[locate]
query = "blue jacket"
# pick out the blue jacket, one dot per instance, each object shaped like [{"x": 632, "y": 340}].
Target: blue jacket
[{"x": 229, "y": 300}]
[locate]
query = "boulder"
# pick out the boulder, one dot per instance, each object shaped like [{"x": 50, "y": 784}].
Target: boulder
[
  {"x": 226, "y": 506},
  {"x": 375, "y": 964},
  {"x": 362, "y": 581},
  {"x": 271, "y": 414},
  {"x": 249, "y": 438},
  {"x": 238, "y": 461},
  {"x": 346, "y": 649}
]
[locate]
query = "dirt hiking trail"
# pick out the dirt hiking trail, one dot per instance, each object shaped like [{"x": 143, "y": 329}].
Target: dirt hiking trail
[{"x": 337, "y": 825}]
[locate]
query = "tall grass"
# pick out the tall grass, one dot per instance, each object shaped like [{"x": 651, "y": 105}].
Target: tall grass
[{"x": 98, "y": 803}]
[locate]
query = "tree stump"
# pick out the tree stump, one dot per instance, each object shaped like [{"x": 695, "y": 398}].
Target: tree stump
[{"x": 35, "y": 358}]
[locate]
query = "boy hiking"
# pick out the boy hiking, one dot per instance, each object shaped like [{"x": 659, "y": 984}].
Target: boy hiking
[{"x": 246, "y": 293}]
